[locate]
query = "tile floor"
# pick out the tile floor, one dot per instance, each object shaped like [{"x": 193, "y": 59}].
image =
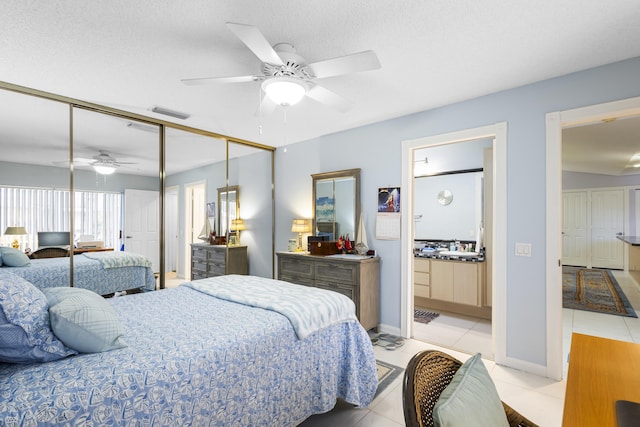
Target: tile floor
[{"x": 538, "y": 398}]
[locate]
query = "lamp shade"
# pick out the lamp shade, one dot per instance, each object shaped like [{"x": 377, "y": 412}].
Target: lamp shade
[
  {"x": 15, "y": 231},
  {"x": 284, "y": 90},
  {"x": 300, "y": 226},
  {"x": 237, "y": 225}
]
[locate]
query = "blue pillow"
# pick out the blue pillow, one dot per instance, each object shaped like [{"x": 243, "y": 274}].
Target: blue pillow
[
  {"x": 83, "y": 320},
  {"x": 13, "y": 257},
  {"x": 25, "y": 332}
]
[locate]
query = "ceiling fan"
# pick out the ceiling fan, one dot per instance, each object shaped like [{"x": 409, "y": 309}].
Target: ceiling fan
[
  {"x": 103, "y": 163},
  {"x": 286, "y": 77}
]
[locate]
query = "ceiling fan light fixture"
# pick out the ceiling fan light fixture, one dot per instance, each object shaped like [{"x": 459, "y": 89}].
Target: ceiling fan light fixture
[
  {"x": 104, "y": 169},
  {"x": 284, "y": 90}
]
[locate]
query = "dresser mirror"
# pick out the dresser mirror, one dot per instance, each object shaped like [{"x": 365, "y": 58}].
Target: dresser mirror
[
  {"x": 336, "y": 203},
  {"x": 228, "y": 207}
]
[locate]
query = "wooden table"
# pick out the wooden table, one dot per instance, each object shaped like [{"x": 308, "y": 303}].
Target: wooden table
[{"x": 601, "y": 371}]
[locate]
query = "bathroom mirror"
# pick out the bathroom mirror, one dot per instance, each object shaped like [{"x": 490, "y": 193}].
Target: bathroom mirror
[
  {"x": 336, "y": 203},
  {"x": 228, "y": 207}
]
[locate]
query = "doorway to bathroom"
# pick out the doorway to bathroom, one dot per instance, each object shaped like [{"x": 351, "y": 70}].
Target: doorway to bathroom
[{"x": 458, "y": 277}]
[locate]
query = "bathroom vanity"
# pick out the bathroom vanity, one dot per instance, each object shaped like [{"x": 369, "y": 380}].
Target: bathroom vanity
[{"x": 453, "y": 282}]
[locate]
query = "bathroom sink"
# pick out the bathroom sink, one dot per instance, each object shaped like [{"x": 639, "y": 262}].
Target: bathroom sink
[{"x": 458, "y": 253}]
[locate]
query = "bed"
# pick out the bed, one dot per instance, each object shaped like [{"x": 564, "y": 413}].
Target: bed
[
  {"x": 102, "y": 272},
  {"x": 193, "y": 358}
]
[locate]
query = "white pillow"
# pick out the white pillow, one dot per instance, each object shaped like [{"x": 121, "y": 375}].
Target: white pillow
[
  {"x": 471, "y": 399},
  {"x": 83, "y": 320}
]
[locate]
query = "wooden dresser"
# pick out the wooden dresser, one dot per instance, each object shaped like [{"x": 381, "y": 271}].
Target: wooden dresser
[
  {"x": 358, "y": 278},
  {"x": 210, "y": 260}
]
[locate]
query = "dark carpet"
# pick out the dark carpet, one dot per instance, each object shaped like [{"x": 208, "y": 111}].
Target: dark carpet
[{"x": 594, "y": 290}]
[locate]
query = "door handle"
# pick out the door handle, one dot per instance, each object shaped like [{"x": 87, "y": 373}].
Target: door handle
[{"x": 129, "y": 237}]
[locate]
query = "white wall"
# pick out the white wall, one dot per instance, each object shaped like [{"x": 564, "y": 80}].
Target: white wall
[{"x": 376, "y": 149}]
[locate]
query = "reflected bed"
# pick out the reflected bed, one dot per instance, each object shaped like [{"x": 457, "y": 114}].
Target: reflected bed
[{"x": 91, "y": 271}]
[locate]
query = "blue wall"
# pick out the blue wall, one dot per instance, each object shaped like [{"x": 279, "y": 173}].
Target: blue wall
[{"x": 376, "y": 149}]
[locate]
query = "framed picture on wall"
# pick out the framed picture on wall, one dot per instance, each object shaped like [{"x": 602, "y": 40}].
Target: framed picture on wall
[
  {"x": 389, "y": 199},
  {"x": 211, "y": 210}
]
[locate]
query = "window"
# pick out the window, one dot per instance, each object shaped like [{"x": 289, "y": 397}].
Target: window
[{"x": 97, "y": 214}]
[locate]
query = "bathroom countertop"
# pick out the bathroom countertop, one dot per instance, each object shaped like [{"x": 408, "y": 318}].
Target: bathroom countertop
[
  {"x": 632, "y": 240},
  {"x": 448, "y": 256}
]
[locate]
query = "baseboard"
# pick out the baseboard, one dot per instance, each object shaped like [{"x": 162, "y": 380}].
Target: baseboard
[{"x": 521, "y": 365}]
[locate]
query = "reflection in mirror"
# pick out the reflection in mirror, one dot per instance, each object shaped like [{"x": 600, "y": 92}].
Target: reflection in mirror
[
  {"x": 336, "y": 203},
  {"x": 34, "y": 169},
  {"x": 448, "y": 191},
  {"x": 116, "y": 182},
  {"x": 228, "y": 210},
  {"x": 195, "y": 168},
  {"x": 36, "y": 160},
  {"x": 448, "y": 218},
  {"x": 250, "y": 169}
]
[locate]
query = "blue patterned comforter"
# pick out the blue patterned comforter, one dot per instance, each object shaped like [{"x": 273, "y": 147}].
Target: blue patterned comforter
[
  {"x": 87, "y": 273},
  {"x": 194, "y": 359}
]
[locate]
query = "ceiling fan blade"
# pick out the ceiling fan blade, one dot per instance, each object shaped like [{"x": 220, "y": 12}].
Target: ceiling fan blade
[
  {"x": 363, "y": 61},
  {"x": 256, "y": 42},
  {"x": 208, "y": 80},
  {"x": 332, "y": 99},
  {"x": 83, "y": 160}
]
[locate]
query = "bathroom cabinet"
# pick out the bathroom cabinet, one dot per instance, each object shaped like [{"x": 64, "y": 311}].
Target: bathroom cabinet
[{"x": 450, "y": 285}]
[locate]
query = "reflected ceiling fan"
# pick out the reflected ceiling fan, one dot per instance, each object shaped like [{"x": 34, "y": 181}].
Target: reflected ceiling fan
[
  {"x": 286, "y": 77},
  {"x": 103, "y": 163}
]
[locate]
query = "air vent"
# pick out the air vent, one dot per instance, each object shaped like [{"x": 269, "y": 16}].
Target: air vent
[{"x": 172, "y": 113}]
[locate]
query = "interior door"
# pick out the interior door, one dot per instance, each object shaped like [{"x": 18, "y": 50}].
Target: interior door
[
  {"x": 574, "y": 228},
  {"x": 195, "y": 215},
  {"x": 142, "y": 224},
  {"x": 607, "y": 220}
]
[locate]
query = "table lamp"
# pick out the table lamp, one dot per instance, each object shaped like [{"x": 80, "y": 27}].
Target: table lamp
[
  {"x": 15, "y": 231},
  {"x": 300, "y": 226},
  {"x": 237, "y": 225}
]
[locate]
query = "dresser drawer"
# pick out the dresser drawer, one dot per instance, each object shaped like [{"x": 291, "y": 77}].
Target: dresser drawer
[
  {"x": 198, "y": 254},
  {"x": 217, "y": 256},
  {"x": 199, "y": 265},
  {"x": 298, "y": 268},
  {"x": 300, "y": 280},
  {"x": 195, "y": 275},
  {"x": 339, "y": 273},
  {"x": 346, "y": 290}
]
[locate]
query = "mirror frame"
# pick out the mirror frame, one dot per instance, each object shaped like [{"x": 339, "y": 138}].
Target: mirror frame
[
  {"x": 224, "y": 191},
  {"x": 347, "y": 173}
]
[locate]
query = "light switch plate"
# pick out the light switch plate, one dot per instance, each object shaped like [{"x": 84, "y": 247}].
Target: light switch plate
[{"x": 523, "y": 249}]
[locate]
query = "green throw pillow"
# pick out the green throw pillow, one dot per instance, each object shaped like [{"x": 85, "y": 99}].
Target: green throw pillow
[
  {"x": 471, "y": 399},
  {"x": 83, "y": 320}
]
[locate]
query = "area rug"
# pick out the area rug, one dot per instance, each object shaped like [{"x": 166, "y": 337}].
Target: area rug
[
  {"x": 594, "y": 290},
  {"x": 424, "y": 316},
  {"x": 386, "y": 374}
]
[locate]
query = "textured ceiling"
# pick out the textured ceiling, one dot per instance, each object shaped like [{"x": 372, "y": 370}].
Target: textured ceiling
[{"x": 131, "y": 54}]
